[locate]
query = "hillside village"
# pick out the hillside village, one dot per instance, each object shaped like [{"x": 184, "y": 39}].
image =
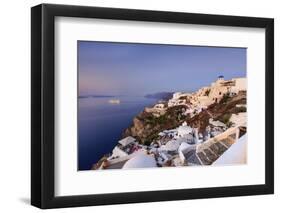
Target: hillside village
[{"x": 207, "y": 127}]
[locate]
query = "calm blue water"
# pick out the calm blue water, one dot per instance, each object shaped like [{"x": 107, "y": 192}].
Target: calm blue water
[{"x": 101, "y": 125}]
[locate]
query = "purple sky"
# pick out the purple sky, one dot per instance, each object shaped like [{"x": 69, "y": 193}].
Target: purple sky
[{"x": 107, "y": 68}]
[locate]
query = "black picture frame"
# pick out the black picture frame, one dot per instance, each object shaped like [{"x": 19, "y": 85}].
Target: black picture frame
[{"x": 43, "y": 102}]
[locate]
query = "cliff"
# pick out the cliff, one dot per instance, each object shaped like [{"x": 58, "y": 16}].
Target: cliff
[
  {"x": 221, "y": 111},
  {"x": 146, "y": 127}
]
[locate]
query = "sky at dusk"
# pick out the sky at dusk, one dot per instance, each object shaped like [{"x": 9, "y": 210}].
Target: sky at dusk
[{"x": 107, "y": 68}]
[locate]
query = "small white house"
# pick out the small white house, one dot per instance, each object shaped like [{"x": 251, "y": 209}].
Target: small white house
[
  {"x": 171, "y": 145},
  {"x": 184, "y": 130},
  {"x": 126, "y": 141},
  {"x": 189, "y": 138},
  {"x": 117, "y": 152},
  {"x": 177, "y": 95},
  {"x": 171, "y": 133},
  {"x": 159, "y": 106}
]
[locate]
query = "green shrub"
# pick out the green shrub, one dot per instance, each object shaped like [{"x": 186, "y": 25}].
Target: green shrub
[
  {"x": 147, "y": 142},
  {"x": 225, "y": 98},
  {"x": 240, "y": 109},
  {"x": 161, "y": 119},
  {"x": 225, "y": 118}
]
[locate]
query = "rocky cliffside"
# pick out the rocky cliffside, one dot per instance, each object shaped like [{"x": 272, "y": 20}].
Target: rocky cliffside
[
  {"x": 219, "y": 111},
  {"x": 145, "y": 126}
]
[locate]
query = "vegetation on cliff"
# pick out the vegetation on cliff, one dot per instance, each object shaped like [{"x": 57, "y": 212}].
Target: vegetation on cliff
[{"x": 146, "y": 126}]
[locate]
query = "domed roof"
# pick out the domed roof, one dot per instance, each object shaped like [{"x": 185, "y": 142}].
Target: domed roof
[{"x": 140, "y": 161}]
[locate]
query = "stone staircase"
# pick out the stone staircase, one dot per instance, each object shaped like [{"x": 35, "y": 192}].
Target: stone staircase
[
  {"x": 215, "y": 149},
  {"x": 209, "y": 151}
]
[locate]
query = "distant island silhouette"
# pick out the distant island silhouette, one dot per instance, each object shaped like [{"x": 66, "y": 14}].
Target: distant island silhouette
[
  {"x": 160, "y": 95},
  {"x": 96, "y": 96}
]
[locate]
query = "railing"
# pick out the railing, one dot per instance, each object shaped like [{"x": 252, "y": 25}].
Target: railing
[
  {"x": 224, "y": 135},
  {"x": 213, "y": 148}
]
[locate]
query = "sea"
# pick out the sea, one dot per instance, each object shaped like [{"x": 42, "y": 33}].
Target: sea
[{"x": 101, "y": 124}]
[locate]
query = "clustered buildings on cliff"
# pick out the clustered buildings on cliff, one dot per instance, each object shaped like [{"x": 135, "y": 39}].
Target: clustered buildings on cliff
[{"x": 213, "y": 131}]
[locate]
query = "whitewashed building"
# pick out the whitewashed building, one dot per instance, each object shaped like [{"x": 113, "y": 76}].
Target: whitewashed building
[
  {"x": 118, "y": 151},
  {"x": 184, "y": 130},
  {"x": 184, "y": 146},
  {"x": 126, "y": 141},
  {"x": 140, "y": 161}
]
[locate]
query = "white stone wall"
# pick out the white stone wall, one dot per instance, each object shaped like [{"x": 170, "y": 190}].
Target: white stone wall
[
  {"x": 176, "y": 95},
  {"x": 240, "y": 83},
  {"x": 117, "y": 152}
]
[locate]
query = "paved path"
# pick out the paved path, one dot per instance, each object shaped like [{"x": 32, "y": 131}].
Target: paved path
[
  {"x": 209, "y": 154},
  {"x": 215, "y": 150}
]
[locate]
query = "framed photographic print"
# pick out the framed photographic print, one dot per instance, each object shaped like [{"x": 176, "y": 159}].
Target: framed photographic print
[{"x": 139, "y": 106}]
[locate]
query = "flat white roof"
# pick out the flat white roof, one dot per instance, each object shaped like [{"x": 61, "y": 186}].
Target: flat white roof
[
  {"x": 185, "y": 130},
  {"x": 127, "y": 140}
]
